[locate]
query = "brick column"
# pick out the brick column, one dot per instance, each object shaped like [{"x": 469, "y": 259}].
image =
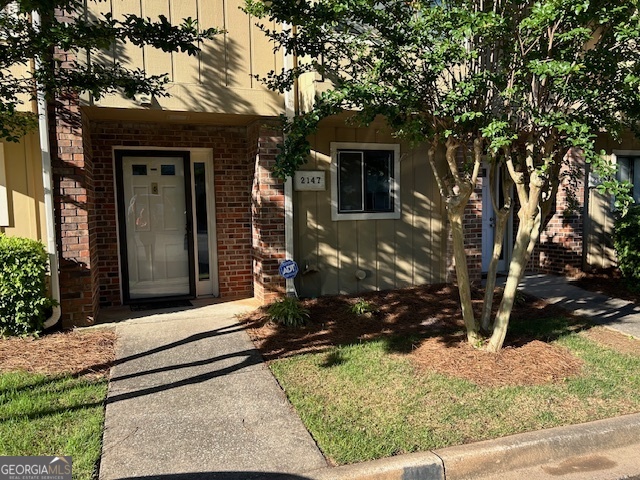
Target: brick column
[
  {"x": 560, "y": 247},
  {"x": 74, "y": 197},
  {"x": 267, "y": 213}
]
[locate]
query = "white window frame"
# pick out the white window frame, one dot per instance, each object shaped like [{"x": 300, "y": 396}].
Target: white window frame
[
  {"x": 4, "y": 198},
  {"x": 395, "y": 185}
]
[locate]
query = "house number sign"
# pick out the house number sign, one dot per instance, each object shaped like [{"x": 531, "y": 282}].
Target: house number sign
[{"x": 309, "y": 180}]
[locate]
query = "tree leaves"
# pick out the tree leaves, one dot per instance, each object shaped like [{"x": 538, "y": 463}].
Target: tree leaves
[{"x": 65, "y": 27}]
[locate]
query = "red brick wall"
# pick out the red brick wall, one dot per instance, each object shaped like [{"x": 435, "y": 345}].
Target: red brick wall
[
  {"x": 473, "y": 234},
  {"x": 560, "y": 247},
  {"x": 232, "y": 178},
  {"x": 73, "y": 200},
  {"x": 267, "y": 212},
  {"x": 73, "y": 196}
]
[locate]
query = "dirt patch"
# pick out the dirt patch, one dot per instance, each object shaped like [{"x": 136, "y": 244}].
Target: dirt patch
[
  {"x": 426, "y": 323},
  {"x": 534, "y": 363},
  {"x": 86, "y": 353},
  {"x": 607, "y": 282},
  {"x": 616, "y": 340}
]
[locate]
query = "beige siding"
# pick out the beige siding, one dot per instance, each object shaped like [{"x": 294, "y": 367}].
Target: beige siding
[
  {"x": 393, "y": 253},
  {"x": 599, "y": 232},
  {"x": 23, "y": 169},
  {"x": 220, "y": 79}
]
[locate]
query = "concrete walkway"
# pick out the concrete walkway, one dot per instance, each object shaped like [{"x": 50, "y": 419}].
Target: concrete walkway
[
  {"x": 618, "y": 314},
  {"x": 190, "y": 398}
]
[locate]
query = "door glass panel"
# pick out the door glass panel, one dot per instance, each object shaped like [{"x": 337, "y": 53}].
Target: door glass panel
[
  {"x": 156, "y": 227},
  {"x": 202, "y": 230}
]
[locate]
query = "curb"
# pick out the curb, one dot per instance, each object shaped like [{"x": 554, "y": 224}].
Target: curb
[{"x": 493, "y": 457}]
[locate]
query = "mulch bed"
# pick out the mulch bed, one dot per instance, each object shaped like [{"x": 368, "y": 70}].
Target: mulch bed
[
  {"x": 534, "y": 363},
  {"x": 80, "y": 354},
  {"x": 430, "y": 317}
]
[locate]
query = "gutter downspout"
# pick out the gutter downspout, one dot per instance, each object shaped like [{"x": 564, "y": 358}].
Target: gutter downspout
[
  {"x": 289, "y": 108},
  {"x": 47, "y": 183}
]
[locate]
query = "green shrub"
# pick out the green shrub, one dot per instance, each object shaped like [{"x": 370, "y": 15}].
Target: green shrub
[
  {"x": 362, "y": 307},
  {"x": 627, "y": 244},
  {"x": 23, "y": 291},
  {"x": 288, "y": 312}
]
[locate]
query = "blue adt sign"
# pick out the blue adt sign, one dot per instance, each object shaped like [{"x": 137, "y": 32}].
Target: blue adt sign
[{"x": 288, "y": 269}]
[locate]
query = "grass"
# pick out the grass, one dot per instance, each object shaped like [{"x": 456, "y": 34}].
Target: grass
[
  {"x": 362, "y": 402},
  {"x": 45, "y": 415}
]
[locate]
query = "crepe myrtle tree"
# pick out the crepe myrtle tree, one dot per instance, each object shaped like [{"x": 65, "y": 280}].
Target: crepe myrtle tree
[
  {"x": 518, "y": 83},
  {"x": 66, "y": 25}
]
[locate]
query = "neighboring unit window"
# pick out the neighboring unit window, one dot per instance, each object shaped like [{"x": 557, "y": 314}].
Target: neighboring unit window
[
  {"x": 629, "y": 170},
  {"x": 4, "y": 199},
  {"x": 364, "y": 181}
]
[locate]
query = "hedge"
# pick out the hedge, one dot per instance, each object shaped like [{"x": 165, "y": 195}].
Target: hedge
[{"x": 24, "y": 304}]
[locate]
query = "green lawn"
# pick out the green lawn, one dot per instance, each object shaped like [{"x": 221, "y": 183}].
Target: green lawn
[
  {"x": 361, "y": 402},
  {"x": 44, "y": 415}
]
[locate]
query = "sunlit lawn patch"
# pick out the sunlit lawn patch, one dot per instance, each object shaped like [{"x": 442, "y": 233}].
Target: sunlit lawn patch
[{"x": 365, "y": 400}]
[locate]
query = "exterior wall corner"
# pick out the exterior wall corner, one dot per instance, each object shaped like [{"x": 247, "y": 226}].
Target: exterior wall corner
[{"x": 267, "y": 212}]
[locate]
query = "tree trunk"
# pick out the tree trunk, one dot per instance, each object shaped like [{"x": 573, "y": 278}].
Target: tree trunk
[
  {"x": 498, "y": 243},
  {"x": 462, "y": 273},
  {"x": 521, "y": 254}
]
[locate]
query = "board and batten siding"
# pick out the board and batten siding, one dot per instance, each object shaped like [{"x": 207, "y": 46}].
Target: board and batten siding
[
  {"x": 221, "y": 79},
  {"x": 393, "y": 253},
  {"x": 23, "y": 190}
]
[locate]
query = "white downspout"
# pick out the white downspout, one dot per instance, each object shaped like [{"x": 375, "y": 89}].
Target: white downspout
[
  {"x": 47, "y": 182},
  {"x": 289, "y": 108}
]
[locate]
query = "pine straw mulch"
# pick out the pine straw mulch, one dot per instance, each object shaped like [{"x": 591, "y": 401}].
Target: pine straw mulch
[
  {"x": 64, "y": 353},
  {"x": 430, "y": 317},
  {"x": 534, "y": 363}
]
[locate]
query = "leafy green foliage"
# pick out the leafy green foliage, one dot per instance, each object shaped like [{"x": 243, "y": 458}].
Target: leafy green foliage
[
  {"x": 550, "y": 74},
  {"x": 23, "y": 292},
  {"x": 288, "y": 312},
  {"x": 362, "y": 307},
  {"x": 69, "y": 29},
  {"x": 627, "y": 244}
]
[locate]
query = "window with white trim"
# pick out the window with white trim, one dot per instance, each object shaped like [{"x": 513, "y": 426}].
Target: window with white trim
[
  {"x": 364, "y": 181},
  {"x": 629, "y": 170},
  {"x": 4, "y": 200}
]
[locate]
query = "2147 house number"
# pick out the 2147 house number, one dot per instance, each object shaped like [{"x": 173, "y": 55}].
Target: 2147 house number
[
  {"x": 314, "y": 180},
  {"x": 309, "y": 180}
]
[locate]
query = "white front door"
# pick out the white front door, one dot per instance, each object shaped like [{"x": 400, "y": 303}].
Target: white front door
[
  {"x": 156, "y": 217},
  {"x": 489, "y": 223}
]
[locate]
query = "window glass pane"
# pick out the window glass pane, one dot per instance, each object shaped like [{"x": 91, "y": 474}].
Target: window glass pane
[
  {"x": 378, "y": 176},
  {"x": 350, "y": 181},
  {"x": 167, "y": 170},
  {"x": 139, "y": 169},
  {"x": 201, "y": 220},
  {"x": 624, "y": 169}
]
